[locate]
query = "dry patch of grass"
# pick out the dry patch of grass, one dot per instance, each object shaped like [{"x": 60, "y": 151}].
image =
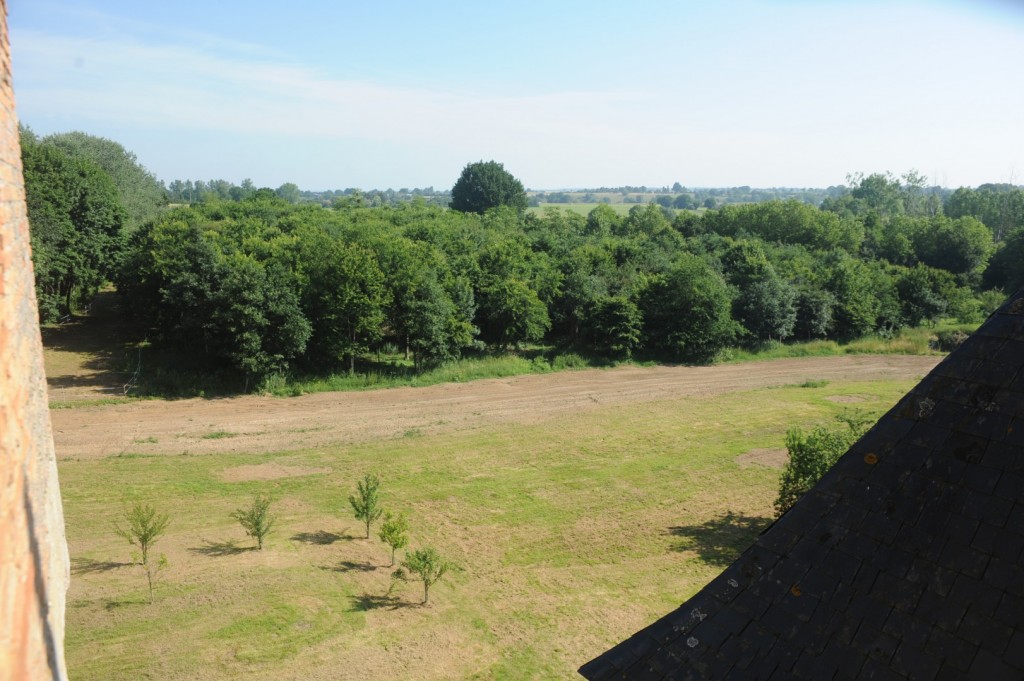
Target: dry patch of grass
[
  {"x": 267, "y": 471},
  {"x": 772, "y": 457}
]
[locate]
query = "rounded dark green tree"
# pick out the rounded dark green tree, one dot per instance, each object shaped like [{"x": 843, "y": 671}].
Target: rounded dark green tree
[{"x": 484, "y": 185}]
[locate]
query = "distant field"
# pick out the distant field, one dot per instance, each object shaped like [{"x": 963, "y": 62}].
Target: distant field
[
  {"x": 584, "y": 208},
  {"x": 574, "y": 526}
]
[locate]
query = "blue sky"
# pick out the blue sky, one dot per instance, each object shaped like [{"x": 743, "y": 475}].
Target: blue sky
[{"x": 565, "y": 94}]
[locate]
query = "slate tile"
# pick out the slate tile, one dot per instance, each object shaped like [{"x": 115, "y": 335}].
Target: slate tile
[
  {"x": 980, "y": 594},
  {"x": 913, "y": 662},
  {"x": 907, "y": 628},
  {"x": 957, "y": 653},
  {"x": 1015, "y": 651},
  {"x": 983, "y": 347},
  {"x": 964, "y": 447},
  {"x": 1009, "y": 327},
  {"x": 875, "y": 670},
  {"x": 943, "y": 612},
  {"x": 869, "y": 612},
  {"x": 874, "y": 643},
  {"x": 981, "y": 478},
  {"x": 927, "y": 435},
  {"x": 813, "y": 667},
  {"x": 1011, "y": 611},
  {"x": 984, "y": 423},
  {"x": 881, "y": 527},
  {"x": 960, "y": 531},
  {"x": 949, "y": 673},
  {"x": 1014, "y": 434},
  {"x": 782, "y": 623},
  {"x": 1009, "y": 402},
  {"x": 957, "y": 367},
  {"x": 960, "y": 558},
  {"x": 1004, "y": 457},
  {"x": 940, "y": 580},
  {"x": 1015, "y": 521},
  {"x": 997, "y": 374},
  {"x": 781, "y": 674},
  {"x": 844, "y": 628},
  {"x": 1005, "y": 575},
  {"x": 988, "y": 667},
  {"x": 982, "y": 630},
  {"x": 996, "y": 511},
  {"x": 750, "y": 605}
]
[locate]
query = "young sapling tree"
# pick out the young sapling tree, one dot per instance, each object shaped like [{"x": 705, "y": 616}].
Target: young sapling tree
[
  {"x": 394, "y": 532},
  {"x": 429, "y": 566},
  {"x": 366, "y": 501},
  {"x": 142, "y": 525},
  {"x": 256, "y": 520}
]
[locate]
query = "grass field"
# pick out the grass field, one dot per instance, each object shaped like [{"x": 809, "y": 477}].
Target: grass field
[
  {"x": 584, "y": 208},
  {"x": 572, "y": 533}
]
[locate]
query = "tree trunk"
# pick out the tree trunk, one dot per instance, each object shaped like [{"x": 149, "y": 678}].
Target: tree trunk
[
  {"x": 352, "y": 355},
  {"x": 426, "y": 592}
]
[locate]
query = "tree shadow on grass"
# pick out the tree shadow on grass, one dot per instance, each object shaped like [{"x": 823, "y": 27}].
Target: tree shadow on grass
[
  {"x": 367, "y": 602},
  {"x": 86, "y": 566},
  {"x": 220, "y": 549},
  {"x": 350, "y": 566},
  {"x": 110, "y": 604},
  {"x": 320, "y": 537},
  {"x": 720, "y": 540}
]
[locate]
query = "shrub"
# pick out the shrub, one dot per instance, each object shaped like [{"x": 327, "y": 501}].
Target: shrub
[{"x": 812, "y": 454}]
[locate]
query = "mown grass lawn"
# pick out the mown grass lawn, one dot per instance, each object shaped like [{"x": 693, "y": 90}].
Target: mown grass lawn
[{"x": 571, "y": 534}]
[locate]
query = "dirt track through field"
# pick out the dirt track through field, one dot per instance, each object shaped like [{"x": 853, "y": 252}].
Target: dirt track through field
[{"x": 266, "y": 424}]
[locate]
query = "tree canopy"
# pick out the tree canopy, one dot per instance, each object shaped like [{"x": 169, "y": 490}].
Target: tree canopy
[
  {"x": 485, "y": 185},
  {"x": 76, "y": 224}
]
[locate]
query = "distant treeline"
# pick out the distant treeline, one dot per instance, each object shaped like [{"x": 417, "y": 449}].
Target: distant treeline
[
  {"x": 200, "y": 191},
  {"x": 263, "y": 284}
]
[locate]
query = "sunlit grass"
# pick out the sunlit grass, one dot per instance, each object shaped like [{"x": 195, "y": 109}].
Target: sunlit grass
[{"x": 572, "y": 533}]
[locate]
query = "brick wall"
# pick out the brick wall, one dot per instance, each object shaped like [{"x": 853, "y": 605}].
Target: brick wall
[{"x": 33, "y": 553}]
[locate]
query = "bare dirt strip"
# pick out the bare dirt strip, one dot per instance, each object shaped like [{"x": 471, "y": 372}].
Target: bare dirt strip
[{"x": 265, "y": 424}]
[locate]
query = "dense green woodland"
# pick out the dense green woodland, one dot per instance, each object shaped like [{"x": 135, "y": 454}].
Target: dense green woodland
[{"x": 265, "y": 285}]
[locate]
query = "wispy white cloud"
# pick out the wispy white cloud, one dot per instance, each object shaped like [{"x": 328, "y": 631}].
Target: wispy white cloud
[
  {"x": 178, "y": 86},
  {"x": 819, "y": 105}
]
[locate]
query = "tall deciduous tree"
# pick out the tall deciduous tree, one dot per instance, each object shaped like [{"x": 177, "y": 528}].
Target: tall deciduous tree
[
  {"x": 686, "y": 311},
  {"x": 343, "y": 294},
  {"x": 140, "y": 192},
  {"x": 76, "y": 223},
  {"x": 484, "y": 185}
]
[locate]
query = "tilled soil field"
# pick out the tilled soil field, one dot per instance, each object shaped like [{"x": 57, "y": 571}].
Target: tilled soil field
[{"x": 265, "y": 424}]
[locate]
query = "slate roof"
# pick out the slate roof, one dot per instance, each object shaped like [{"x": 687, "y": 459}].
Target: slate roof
[{"x": 904, "y": 562}]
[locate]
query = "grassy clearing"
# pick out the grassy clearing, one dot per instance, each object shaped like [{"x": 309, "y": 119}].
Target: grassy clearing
[
  {"x": 916, "y": 341},
  {"x": 572, "y": 533}
]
